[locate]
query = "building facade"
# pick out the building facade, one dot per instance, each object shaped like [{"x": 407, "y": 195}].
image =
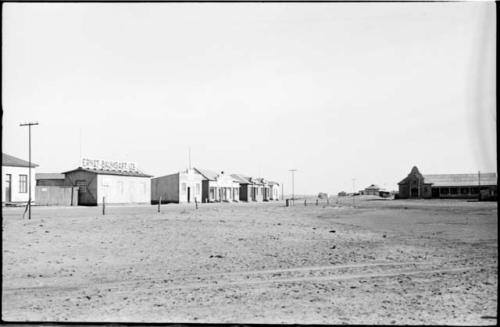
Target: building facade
[
  {"x": 245, "y": 187},
  {"x": 371, "y": 190},
  {"x": 109, "y": 181},
  {"x": 16, "y": 179},
  {"x": 274, "y": 189},
  {"x": 449, "y": 186},
  {"x": 181, "y": 187},
  {"x": 218, "y": 187}
]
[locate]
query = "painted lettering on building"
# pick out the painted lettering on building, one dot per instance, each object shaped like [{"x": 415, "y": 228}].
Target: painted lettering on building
[{"x": 109, "y": 165}]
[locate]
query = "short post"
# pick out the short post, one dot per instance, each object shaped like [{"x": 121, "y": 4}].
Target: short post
[
  {"x": 159, "y": 204},
  {"x": 305, "y": 203},
  {"x": 286, "y": 201},
  {"x": 316, "y": 201},
  {"x": 196, "y": 202},
  {"x": 103, "y": 205},
  {"x": 327, "y": 201}
]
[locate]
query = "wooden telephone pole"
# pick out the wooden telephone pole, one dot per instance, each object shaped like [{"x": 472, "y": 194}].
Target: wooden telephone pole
[{"x": 29, "y": 160}]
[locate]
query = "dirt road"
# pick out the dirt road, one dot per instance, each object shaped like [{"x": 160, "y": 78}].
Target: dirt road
[{"x": 383, "y": 262}]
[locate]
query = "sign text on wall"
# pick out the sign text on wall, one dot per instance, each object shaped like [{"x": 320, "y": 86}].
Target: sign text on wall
[{"x": 109, "y": 165}]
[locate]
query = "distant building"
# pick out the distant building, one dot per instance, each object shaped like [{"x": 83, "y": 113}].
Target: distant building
[
  {"x": 371, "y": 190},
  {"x": 245, "y": 187},
  {"x": 15, "y": 175},
  {"x": 181, "y": 187},
  {"x": 452, "y": 186},
  {"x": 117, "y": 182},
  {"x": 274, "y": 188},
  {"x": 342, "y": 193},
  {"x": 218, "y": 187}
]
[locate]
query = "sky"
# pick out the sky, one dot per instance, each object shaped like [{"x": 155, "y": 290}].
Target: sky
[{"x": 349, "y": 94}]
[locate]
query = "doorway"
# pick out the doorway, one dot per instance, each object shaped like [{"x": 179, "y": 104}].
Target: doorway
[
  {"x": 8, "y": 189},
  {"x": 189, "y": 195}
]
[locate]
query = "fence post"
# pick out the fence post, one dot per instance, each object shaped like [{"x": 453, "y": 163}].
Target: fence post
[
  {"x": 327, "y": 201},
  {"x": 316, "y": 201},
  {"x": 103, "y": 205},
  {"x": 159, "y": 204},
  {"x": 305, "y": 203},
  {"x": 196, "y": 202}
]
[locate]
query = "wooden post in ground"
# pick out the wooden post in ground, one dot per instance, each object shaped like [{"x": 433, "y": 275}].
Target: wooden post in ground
[
  {"x": 103, "y": 205},
  {"x": 196, "y": 202},
  {"x": 327, "y": 201},
  {"x": 286, "y": 202},
  {"x": 316, "y": 201},
  {"x": 305, "y": 203},
  {"x": 159, "y": 204}
]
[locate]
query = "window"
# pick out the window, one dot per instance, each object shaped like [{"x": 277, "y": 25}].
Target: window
[
  {"x": 474, "y": 190},
  {"x": 183, "y": 188},
  {"x": 23, "y": 183},
  {"x": 444, "y": 191},
  {"x": 82, "y": 186},
  {"x": 464, "y": 190},
  {"x": 453, "y": 190}
]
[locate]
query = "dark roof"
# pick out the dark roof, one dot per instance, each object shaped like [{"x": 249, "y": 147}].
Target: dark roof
[
  {"x": 49, "y": 176},
  {"x": 109, "y": 172},
  {"x": 273, "y": 183},
  {"x": 461, "y": 179},
  {"x": 8, "y": 160}
]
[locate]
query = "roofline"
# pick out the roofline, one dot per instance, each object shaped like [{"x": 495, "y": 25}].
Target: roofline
[{"x": 103, "y": 172}]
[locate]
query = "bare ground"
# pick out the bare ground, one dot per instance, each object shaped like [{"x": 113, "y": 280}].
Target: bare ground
[{"x": 382, "y": 262}]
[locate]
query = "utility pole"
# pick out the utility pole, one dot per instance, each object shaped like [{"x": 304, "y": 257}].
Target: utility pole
[
  {"x": 282, "y": 193},
  {"x": 293, "y": 185},
  {"x": 29, "y": 160}
]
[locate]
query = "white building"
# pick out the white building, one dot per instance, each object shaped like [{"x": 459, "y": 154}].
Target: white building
[
  {"x": 217, "y": 187},
  {"x": 181, "y": 187},
  {"x": 15, "y": 175}
]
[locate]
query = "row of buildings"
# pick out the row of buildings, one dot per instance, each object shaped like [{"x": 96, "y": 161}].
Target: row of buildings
[
  {"x": 119, "y": 182},
  {"x": 96, "y": 181}
]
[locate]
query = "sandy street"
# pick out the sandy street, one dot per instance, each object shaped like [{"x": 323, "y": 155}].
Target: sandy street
[{"x": 383, "y": 262}]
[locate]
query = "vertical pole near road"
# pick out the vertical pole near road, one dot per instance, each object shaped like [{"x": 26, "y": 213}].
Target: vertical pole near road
[
  {"x": 29, "y": 165},
  {"x": 353, "y": 191},
  {"x": 293, "y": 185},
  {"x": 103, "y": 205}
]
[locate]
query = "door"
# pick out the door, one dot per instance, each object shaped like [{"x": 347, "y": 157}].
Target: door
[
  {"x": 8, "y": 181},
  {"x": 435, "y": 192},
  {"x": 189, "y": 194}
]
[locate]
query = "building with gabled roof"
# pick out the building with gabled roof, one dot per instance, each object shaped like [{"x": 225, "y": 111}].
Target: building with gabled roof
[
  {"x": 16, "y": 179},
  {"x": 465, "y": 186},
  {"x": 99, "y": 180},
  {"x": 218, "y": 187}
]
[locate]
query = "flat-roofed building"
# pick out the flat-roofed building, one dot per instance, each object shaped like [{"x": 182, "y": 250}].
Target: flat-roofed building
[{"x": 181, "y": 187}]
